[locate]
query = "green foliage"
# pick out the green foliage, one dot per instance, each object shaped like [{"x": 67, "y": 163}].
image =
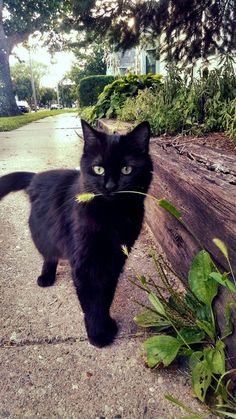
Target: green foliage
[
  {"x": 90, "y": 61},
  {"x": 23, "y": 88},
  {"x": 17, "y": 21},
  {"x": 203, "y": 286},
  {"x": 90, "y": 88},
  {"x": 86, "y": 113},
  {"x": 47, "y": 95},
  {"x": 189, "y": 322},
  {"x": 114, "y": 95},
  {"x": 67, "y": 94},
  {"x": 21, "y": 79},
  {"x": 187, "y": 105},
  {"x": 35, "y": 15},
  {"x": 187, "y": 28},
  {"x": 161, "y": 349}
]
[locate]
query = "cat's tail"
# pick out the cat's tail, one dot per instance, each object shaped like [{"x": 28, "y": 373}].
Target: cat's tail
[{"x": 14, "y": 182}]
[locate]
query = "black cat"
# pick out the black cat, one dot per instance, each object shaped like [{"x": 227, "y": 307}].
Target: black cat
[{"x": 90, "y": 234}]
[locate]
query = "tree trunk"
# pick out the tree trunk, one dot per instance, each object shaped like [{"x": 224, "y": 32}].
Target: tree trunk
[{"x": 8, "y": 105}]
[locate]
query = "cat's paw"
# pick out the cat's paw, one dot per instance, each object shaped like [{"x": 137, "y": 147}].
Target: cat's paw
[
  {"x": 103, "y": 336},
  {"x": 46, "y": 280}
]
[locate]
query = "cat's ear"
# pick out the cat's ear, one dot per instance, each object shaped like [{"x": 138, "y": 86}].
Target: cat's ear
[
  {"x": 140, "y": 136},
  {"x": 89, "y": 133}
]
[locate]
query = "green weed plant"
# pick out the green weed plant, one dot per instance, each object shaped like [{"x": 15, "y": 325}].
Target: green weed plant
[{"x": 189, "y": 322}]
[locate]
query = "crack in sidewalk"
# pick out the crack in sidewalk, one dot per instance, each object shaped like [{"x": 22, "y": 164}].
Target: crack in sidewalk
[{"x": 8, "y": 343}]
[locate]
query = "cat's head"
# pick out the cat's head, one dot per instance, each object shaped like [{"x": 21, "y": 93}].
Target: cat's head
[{"x": 113, "y": 163}]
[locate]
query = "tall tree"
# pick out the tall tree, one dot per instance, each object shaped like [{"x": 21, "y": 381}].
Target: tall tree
[
  {"x": 67, "y": 93},
  {"x": 188, "y": 28},
  {"x": 21, "y": 78},
  {"x": 90, "y": 61},
  {"x": 47, "y": 95},
  {"x": 19, "y": 19}
]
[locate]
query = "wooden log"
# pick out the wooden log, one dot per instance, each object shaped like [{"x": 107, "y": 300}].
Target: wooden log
[{"x": 200, "y": 181}]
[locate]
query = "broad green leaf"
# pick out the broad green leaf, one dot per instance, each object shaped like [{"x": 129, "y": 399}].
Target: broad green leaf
[
  {"x": 222, "y": 247},
  {"x": 161, "y": 350},
  {"x": 151, "y": 319},
  {"x": 202, "y": 286},
  {"x": 156, "y": 304},
  {"x": 163, "y": 203},
  {"x": 204, "y": 313},
  {"x": 201, "y": 379},
  {"x": 207, "y": 327},
  {"x": 221, "y": 279},
  {"x": 190, "y": 335},
  {"x": 215, "y": 358}
]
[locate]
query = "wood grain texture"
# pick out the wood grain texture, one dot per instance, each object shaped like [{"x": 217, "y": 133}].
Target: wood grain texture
[{"x": 203, "y": 189}]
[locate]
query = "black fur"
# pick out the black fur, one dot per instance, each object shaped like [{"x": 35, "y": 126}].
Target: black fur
[
  {"x": 14, "y": 182},
  {"x": 90, "y": 234}
]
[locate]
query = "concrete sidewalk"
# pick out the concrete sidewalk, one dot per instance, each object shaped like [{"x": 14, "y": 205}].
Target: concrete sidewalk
[{"x": 48, "y": 368}]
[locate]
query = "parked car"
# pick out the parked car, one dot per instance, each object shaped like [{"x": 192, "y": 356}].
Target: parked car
[
  {"x": 33, "y": 108},
  {"x": 54, "y": 106},
  {"x": 23, "y": 106}
]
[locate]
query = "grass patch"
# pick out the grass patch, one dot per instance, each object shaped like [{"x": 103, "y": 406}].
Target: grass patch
[{"x": 9, "y": 123}]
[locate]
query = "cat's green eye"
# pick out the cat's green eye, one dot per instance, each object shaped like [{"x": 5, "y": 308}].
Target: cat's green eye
[
  {"x": 126, "y": 170},
  {"x": 99, "y": 170}
]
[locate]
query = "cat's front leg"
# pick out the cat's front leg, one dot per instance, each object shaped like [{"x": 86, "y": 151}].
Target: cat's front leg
[
  {"x": 48, "y": 275},
  {"x": 95, "y": 290}
]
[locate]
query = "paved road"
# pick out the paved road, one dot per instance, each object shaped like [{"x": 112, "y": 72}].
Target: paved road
[{"x": 48, "y": 368}]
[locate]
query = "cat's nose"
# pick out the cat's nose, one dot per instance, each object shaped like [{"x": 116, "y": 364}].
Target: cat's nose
[{"x": 110, "y": 186}]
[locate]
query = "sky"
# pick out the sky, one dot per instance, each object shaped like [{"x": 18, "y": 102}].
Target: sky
[{"x": 58, "y": 65}]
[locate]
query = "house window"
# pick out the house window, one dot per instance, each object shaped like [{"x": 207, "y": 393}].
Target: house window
[
  {"x": 122, "y": 71},
  {"x": 151, "y": 57}
]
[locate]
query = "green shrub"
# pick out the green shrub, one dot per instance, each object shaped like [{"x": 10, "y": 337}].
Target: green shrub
[
  {"x": 86, "y": 113},
  {"x": 90, "y": 88},
  {"x": 186, "y": 104},
  {"x": 114, "y": 95}
]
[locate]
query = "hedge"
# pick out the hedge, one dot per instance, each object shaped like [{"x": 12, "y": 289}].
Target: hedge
[{"x": 90, "y": 88}]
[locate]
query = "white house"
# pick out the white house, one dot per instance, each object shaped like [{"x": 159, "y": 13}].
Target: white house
[
  {"x": 137, "y": 60},
  {"x": 147, "y": 60}
]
